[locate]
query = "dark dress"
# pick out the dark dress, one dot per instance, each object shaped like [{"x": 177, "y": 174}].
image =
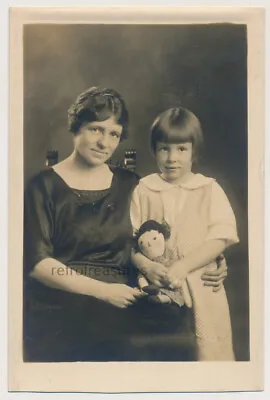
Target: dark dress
[{"x": 90, "y": 231}]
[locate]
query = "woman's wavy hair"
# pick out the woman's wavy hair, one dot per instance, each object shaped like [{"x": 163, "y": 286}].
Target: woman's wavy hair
[{"x": 97, "y": 104}]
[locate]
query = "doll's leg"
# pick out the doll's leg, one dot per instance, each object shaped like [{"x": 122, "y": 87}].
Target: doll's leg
[
  {"x": 160, "y": 298},
  {"x": 142, "y": 281},
  {"x": 155, "y": 298}
]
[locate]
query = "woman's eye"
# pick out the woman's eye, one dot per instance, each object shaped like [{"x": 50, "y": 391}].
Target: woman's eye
[
  {"x": 116, "y": 135},
  {"x": 93, "y": 129},
  {"x": 140, "y": 242},
  {"x": 155, "y": 238}
]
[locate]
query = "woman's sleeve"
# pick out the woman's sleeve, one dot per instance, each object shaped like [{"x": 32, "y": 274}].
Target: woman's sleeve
[
  {"x": 135, "y": 210},
  {"x": 38, "y": 224},
  {"x": 222, "y": 223}
]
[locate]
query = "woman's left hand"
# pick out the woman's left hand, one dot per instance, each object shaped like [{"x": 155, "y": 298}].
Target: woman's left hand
[{"x": 216, "y": 277}]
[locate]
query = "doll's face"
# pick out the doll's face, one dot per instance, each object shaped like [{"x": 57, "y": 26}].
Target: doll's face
[{"x": 152, "y": 244}]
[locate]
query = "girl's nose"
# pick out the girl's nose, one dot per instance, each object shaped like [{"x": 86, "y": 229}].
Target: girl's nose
[{"x": 172, "y": 156}]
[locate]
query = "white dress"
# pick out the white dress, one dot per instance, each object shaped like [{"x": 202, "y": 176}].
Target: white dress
[{"x": 197, "y": 211}]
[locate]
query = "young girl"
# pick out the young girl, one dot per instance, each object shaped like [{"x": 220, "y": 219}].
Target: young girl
[{"x": 202, "y": 226}]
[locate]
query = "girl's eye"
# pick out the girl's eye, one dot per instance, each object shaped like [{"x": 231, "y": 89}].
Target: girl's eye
[
  {"x": 140, "y": 242},
  {"x": 163, "y": 149},
  {"x": 155, "y": 238}
]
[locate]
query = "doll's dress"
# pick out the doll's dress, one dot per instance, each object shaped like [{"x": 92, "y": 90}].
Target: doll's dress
[{"x": 177, "y": 295}]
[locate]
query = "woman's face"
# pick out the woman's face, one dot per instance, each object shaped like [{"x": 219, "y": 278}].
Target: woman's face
[
  {"x": 174, "y": 160},
  {"x": 96, "y": 141}
]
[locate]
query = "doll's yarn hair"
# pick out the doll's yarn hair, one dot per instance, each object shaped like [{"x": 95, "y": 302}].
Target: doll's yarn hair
[
  {"x": 152, "y": 225},
  {"x": 98, "y": 104}
]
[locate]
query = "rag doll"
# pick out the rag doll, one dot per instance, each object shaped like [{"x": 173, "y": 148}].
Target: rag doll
[{"x": 150, "y": 240}]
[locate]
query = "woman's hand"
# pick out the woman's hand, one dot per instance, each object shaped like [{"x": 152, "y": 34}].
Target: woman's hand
[
  {"x": 216, "y": 277},
  {"x": 120, "y": 295}
]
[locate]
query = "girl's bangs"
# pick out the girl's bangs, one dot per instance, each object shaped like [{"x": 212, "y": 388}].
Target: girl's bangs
[{"x": 174, "y": 135}]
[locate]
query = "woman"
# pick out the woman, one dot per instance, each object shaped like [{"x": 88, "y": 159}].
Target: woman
[{"x": 81, "y": 302}]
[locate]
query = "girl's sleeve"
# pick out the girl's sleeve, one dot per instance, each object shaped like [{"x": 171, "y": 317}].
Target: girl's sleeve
[
  {"x": 222, "y": 222},
  {"x": 135, "y": 209},
  {"x": 38, "y": 225}
]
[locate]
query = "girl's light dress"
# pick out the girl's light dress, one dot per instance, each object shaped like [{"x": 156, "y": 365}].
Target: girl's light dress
[{"x": 197, "y": 211}]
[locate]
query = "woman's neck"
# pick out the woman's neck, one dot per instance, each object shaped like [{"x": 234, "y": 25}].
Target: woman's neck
[
  {"x": 77, "y": 163},
  {"x": 79, "y": 175}
]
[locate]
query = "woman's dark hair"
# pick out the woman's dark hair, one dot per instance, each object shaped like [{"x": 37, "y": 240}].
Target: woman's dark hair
[
  {"x": 96, "y": 104},
  {"x": 177, "y": 125}
]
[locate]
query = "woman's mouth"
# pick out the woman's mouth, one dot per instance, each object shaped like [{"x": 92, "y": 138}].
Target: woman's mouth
[{"x": 98, "y": 152}]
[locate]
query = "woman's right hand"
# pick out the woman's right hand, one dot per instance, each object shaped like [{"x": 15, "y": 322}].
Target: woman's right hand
[
  {"x": 120, "y": 295},
  {"x": 156, "y": 273}
]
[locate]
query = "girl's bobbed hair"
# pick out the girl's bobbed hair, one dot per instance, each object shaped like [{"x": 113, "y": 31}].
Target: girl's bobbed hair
[{"x": 177, "y": 125}]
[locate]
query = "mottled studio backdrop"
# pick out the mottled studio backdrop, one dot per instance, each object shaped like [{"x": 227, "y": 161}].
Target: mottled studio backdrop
[{"x": 202, "y": 67}]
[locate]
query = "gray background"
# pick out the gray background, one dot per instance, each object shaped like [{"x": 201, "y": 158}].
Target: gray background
[{"x": 153, "y": 67}]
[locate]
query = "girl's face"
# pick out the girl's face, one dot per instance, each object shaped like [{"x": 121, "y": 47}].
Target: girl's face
[
  {"x": 95, "y": 142},
  {"x": 174, "y": 160}
]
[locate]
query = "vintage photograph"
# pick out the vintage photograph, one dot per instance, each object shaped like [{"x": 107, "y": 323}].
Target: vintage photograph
[{"x": 135, "y": 192}]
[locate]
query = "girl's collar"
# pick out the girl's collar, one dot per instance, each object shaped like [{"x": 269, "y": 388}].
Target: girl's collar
[{"x": 156, "y": 183}]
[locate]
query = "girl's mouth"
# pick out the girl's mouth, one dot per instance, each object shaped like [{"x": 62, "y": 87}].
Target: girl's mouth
[{"x": 172, "y": 168}]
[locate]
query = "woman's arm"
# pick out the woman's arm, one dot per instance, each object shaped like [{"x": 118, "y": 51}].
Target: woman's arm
[{"x": 56, "y": 275}]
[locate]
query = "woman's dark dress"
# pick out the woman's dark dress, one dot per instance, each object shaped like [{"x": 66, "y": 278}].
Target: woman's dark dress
[{"x": 90, "y": 231}]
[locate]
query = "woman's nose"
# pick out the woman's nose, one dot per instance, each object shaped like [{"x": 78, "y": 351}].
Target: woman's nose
[{"x": 103, "y": 140}]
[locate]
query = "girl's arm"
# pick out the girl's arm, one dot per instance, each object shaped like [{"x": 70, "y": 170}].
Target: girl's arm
[
  {"x": 153, "y": 271},
  {"x": 197, "y": 258},
  {"x": 222, "y": 232},
  {"x": 56, "y": 275}
]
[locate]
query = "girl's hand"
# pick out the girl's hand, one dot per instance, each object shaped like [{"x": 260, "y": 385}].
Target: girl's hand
[
  {"x": 120, "y": 295},
  {"x": 176, "y": 275},
  {"x": 156, "y": 273},
  {"x": 216, "y": 277}
]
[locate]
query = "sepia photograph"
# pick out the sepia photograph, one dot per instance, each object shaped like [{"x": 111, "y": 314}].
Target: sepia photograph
[{"x": 133, "y": 178}]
